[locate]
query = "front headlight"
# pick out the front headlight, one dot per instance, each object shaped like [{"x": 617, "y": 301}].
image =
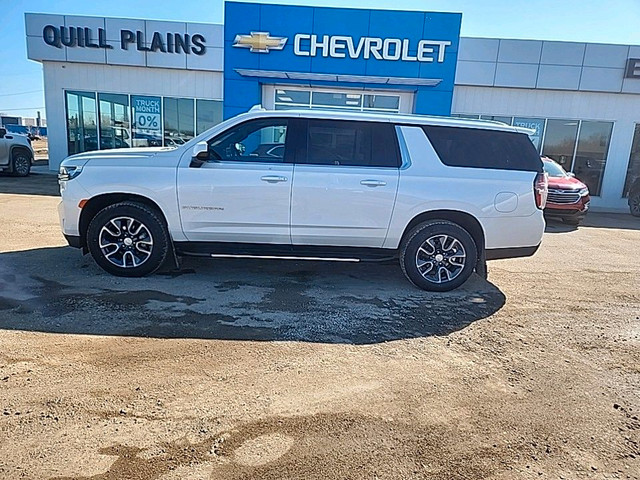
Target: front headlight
[
  {"x": 584, "y": 192},
  {"x": 68, "y": 172}
]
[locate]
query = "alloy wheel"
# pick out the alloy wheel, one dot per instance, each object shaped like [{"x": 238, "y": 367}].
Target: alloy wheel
[
  {"x": 125, "y": 242},
  {"x": 21, "y": 165},
  {"x": 441, "y": 258}
]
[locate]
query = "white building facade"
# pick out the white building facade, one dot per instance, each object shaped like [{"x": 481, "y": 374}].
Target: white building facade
[{"x": 112, "y": 83}]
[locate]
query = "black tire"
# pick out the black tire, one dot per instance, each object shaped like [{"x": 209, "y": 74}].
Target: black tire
[
  {"x": 148, "y": 245},
  {"x": 634, "y": 204},
  {"x": 20, "y": 163},
  {"x": 409, "y": 258}
]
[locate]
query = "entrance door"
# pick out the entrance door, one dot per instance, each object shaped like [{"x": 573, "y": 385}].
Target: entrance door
[
  {"x": 345, "y": 183},
  {"x": 242, "y": 194}
]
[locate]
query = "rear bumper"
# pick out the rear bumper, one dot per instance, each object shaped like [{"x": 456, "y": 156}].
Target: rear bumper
[
  {"x": 517, "y": 252},
  {"x": 503, "y": 232}
]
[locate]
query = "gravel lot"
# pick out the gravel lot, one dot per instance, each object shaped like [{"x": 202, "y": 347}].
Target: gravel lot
[{"x": 238, "y": 369}]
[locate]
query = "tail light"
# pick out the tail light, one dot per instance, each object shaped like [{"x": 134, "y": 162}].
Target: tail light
[{"x": 541, "y": 189}]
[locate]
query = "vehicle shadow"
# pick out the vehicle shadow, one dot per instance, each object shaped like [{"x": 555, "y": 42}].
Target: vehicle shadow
[
  {"x": 620, "y": 221},
  {"x": 56, "y": 290},
  {"x": 555, "y": 225},
  {"x": 34, "y": 184},
  {"x": 623, "y": 221}
]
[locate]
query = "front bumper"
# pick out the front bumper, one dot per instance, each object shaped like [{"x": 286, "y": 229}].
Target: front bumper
[
  {"x": 68, "y": 209},
  {"x": 578, "y": 210}
]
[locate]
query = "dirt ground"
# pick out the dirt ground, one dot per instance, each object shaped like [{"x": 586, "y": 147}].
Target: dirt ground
[
  {"x": 40, "y": 149},
  {"x": 241, "y": 369}
]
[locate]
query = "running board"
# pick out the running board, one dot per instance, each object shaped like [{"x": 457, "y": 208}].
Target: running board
[
  {"x": 281, "y": 257},
  {"x": 286, "y": 252}
]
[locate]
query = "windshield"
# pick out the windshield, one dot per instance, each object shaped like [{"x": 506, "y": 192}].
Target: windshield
[{"x": 554, "y": 170}]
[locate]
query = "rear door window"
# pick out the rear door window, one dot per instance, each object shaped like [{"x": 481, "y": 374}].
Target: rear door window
[
  {"x": 478, "y": 148},
  {"x": 351, "y": 143}
]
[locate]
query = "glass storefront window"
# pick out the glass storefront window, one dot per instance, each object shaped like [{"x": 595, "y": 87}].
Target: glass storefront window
[
  {"x": 117, "y": 120},
  {"x": 289, "y": 98},
  {"x": 178, "y": 121},
  {"x": 591, "y": 156},
  {"x": 385, "y": 102},
  {"x": 82, "y": 126},
  {"x": 560, "y": 141},
  {"x": 466, "y": 116},
  {"x": 536, "y": 124},
  {"x": 289, "y": 107},
  {"x": 297, "y": 97},
  {"x": 633, "y": 171},
  {"x": 114, "y": 120},
  {"x": 333, "y": 100},
  {"x": 208, "y": 114},
  {"x": 147, "y": 121},
  {"x": 497, "y": 118}
]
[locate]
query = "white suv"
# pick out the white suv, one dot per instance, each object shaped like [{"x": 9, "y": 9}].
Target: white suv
[
  {"x": 16, "y": 154},
  {"x": 441, "y": 194}
]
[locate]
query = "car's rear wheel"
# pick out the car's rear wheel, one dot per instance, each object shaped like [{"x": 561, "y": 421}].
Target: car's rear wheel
[
  {"x": 128, "y": 239},
  {"x": 21, "y": 164},
  {"x": 438, "y": 255},
  {"x": 634, "y": 204}
]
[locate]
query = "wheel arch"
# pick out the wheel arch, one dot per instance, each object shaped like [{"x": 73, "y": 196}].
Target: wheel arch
[
  {"x": 464, "y": 219},
  {"x": 97, "y": 203},
  {"x": 21, "y": 148}
]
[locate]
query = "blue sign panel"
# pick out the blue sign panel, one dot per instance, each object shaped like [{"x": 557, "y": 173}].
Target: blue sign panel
[
  {"x": 147, "y": 121},
  {"x": 350, "y": 48}
]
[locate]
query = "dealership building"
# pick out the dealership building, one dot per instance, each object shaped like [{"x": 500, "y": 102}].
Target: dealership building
[{"x": 115, "y": 82}]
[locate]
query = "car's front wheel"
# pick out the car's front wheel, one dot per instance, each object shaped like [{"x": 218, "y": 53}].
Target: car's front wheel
[
  {"x": 128, "y": 239},
  {"x": 21, "y": 164},
  {"x": 438, "y": 255}
]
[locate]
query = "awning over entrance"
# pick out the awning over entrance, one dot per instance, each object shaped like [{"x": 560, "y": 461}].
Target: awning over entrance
[{"x": 333, "y": 77}]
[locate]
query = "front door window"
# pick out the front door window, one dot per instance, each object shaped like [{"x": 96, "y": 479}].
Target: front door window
[{"x": 254, "y": 141}]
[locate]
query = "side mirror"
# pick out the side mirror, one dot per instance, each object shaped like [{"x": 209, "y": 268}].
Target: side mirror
[
  {"x": 200, "y": 154},
  {"x": 201, "y": 151},
  {"x": 3, "y": 132},
  {"x": 571, "y": 174}
]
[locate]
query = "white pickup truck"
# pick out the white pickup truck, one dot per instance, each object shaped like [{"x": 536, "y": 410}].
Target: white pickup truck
[{"x": 442, "y": 195}]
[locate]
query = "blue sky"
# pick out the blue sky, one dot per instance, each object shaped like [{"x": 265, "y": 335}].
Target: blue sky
[{"x": 614, "y": 21}]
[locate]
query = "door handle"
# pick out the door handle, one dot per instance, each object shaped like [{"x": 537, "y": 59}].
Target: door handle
[
  {"x": 373, "y": 183},
  {"x": 273, "y": 178}
]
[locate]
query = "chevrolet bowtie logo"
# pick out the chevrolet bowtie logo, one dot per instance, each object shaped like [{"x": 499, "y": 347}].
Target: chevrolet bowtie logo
[{"x": 260, "y": 42}]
